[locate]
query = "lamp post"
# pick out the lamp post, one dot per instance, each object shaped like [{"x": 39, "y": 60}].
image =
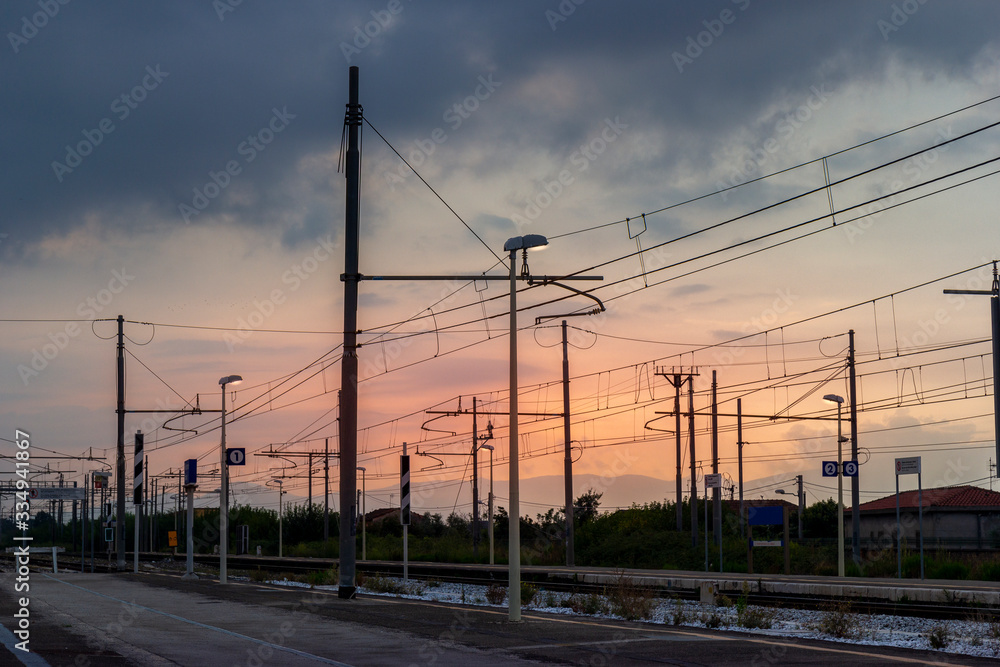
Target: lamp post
[
  {"x": 281, "y": 513},
  {"x": 363, "y": 514},
  {"x": 839, "y": 400},
  {"x": 802, "y": 501},
  {"x": 489, "y": 506},
  {"x": 522, "y": 243},
  {"x": 224, "y": 494}
]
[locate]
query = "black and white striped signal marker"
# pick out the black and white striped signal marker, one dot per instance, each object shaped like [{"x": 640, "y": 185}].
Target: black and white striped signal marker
[
  {"x": 404, "y": 490},
  {"x": 137, "y": 479}
]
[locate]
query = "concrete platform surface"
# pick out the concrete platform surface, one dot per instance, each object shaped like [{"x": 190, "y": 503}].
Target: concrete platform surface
[{"x": 146, "y": 619}]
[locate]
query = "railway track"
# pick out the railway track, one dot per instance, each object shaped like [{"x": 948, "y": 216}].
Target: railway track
[{"x": 485, "y": 575}]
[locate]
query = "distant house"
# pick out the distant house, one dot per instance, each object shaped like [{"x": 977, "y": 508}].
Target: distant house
[{"x": 955, "y": 517}]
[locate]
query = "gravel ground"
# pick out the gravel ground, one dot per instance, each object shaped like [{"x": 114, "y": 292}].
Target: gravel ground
[{"x": 969, "y": 637}]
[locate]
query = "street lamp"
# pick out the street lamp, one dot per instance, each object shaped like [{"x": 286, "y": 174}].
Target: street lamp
[
  {"x": 363, "y": 514},
  {"x": 522, "y": 243},
  {"x": 802, "y": 501},
  {"x": 489, "y": 506},
  {"x": 281, "y": 514},
  {"x": 224, "y": 496},
  {"x": 839, "y": 400}
]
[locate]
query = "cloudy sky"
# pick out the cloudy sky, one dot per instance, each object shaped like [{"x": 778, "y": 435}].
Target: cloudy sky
[{"x": 177, "y": 164}]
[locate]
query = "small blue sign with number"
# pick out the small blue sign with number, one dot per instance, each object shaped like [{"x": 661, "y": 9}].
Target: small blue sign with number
[
  {"x": 830, "y": 468},
  {"x": 236, "y": 456},
  {"x": 850, "y": 468}
]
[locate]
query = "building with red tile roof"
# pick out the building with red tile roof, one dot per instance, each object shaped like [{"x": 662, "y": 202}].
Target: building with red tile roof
[{"x": 954, "y": 517}]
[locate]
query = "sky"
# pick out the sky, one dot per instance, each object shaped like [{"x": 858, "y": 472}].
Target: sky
[{"x": 178, "y": 164}]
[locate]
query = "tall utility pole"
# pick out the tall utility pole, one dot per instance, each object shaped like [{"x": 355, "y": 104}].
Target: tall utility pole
[
  {"x": 676, "y": 378},
  {"x": 120, "y": 519},
  {"x": 475, "y": 482},
  {"x": 568, "y": 455},
  {"x": 694, "y": 472},
  {"x": 716, "y": 492},
  {"x": 994, "y": 295},
  {"x": 326, "y": 491},
  {"x": 349, "y": 361},
  {"x": 739, "y": 456},
  {"x": 856, "y": 480}
]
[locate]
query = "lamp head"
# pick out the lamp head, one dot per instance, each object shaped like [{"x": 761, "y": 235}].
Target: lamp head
[
  {"x": 526, "y": 242},
  {"x": 361, "y": 468},
  {"x": 230, "y": 379},
  {"x": 489, "y": 447},
  {"x": 781, "y": 491},
  {"x": 833, "y": 398}
]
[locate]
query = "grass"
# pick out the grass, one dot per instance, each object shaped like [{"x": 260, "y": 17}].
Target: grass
[
  {"x": 939, "y": 637},
  {"x": 629, "y": 600},
  {"x": 379, "y": 584},
  {"x": 839, "y": 621},
  {"x": 496, "y": 594}
]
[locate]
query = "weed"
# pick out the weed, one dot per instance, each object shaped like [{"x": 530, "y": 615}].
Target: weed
[
  {"x": 839, "y": 621},
  {"x": 629, "y": 600},
  {"x": 590, "y": 604},
  {"x": 989, "y": 572},
  {"x": 741, "y": 601},
  {"x": 723, "y": 601},
  {"x": 939, "y": 637},
  {"x": 550, "y": 599},
  {"x": 528, "y": 593},
  {"x": 756, "y": 617},
  {"x": 752, "y": 617},
  {"x": 322, "y": 578},
  {"x": 679, "y": 615},
  {"x": 258, "y": 575},
  {"x": 496, "y": 594},
  {"x": 379, "y": 584},
  {"x": 433, "y": 583},
  {"x": 711, "y": 620}
]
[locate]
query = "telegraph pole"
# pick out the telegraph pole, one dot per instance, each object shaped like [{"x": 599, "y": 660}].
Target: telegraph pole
[
  {"x": 677, "y": 380},
  {"x": 739, "y": 455},
  {"x": 856, "y": 480},
  {"x": 326, "y": 491},
  {"x": 568, "y": 455},
  {"x": 716, "y": 492},
  {"x": 994, "y": 295},
  {"x": 694, "y": 472},
  {"x": 475, "y": 483},
  {"x": 349, "y": 362},
  {"x": 120, "y": 520}
]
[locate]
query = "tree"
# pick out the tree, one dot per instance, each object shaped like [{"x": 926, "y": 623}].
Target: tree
[
  {"x": 820, "y": 519},
  {"x": 585, "y": 507}
]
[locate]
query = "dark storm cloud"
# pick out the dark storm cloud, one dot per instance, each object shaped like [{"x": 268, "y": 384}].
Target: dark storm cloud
[{"x": 205, "y": 88}]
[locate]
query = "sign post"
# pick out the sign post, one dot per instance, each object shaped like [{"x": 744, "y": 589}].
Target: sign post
[
  {"x": 712, "y": 481},
  {"x": 404, "y": 508},
  {"x": 909, "y": 466},
  {"x": 137, "y": 496},
  {"x": 190, "y": 484}
]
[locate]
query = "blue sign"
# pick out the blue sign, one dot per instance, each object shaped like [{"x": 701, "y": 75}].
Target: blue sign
[
  {"x": 236, "y": 456},
  {"x": 766, "y": 516},
  {"x": 850, "y": 468},
  {"x": 830, "y": 468},
  {"x": 191, "y": 471}
]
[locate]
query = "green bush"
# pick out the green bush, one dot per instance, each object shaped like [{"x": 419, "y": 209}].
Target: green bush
[
  {"x": 947, "y": 570},
  {"x": 989, "y": 571}
]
